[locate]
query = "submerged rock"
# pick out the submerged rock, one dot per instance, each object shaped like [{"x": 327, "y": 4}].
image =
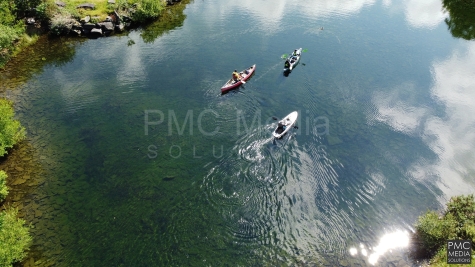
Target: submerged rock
[
  {"x": 168, "y": 178},
  {"x": 343, "y": 263}
]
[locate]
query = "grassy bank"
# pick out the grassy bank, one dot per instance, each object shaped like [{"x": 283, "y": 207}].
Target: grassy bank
[
  {"x": 14, "y": 236},
  {"x": 61, "y": 19}
]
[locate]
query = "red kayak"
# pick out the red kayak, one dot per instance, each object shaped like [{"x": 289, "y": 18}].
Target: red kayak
[{"x": 245, "y": 74}]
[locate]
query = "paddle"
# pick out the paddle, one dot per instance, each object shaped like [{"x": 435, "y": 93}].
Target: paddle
[{"x": 243, "y": 82}]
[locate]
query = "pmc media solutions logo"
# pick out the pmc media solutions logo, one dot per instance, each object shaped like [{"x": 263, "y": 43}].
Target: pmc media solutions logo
[{"x": 459, "y": 252}]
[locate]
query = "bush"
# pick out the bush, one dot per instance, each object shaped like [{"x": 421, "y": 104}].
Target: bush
[
  {"x": 8, "y": 35},
  {"x": 62, "y": 23},
  {"x": 462, "y": 208},
  {"x": 25, "y": 7},
  {"x": 147, "y": 10},
  {"x": 434, "y": 230},
  {"x": 45, "y": 10},
  {"x": 3, "y": 186},
  {"x": 14, "y": 238},
  {"x": 11, "y": 131},
  {"x": 11, "y": 30},
  {"x": 457, "y": 222},
  {"x": 7, "y": 16}
]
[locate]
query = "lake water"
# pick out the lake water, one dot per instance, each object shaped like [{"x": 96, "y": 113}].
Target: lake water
[{"x": 145, "y": 163}]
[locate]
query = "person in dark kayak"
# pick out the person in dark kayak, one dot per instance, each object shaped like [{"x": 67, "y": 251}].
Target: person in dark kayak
[{"x": 236, "y": 76}]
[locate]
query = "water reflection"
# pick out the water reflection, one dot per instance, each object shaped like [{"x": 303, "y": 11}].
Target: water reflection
[
  {"x": 270, "y": 16},
  {"x": 424, "y": 14},
  {"x": 327, "y": 8},
  {"x": 449, "y": 134},
  {"x": 170, "y": 19},
  {"x": 419, "y": 14},
  {"x": 257, "y": 203},
  {"x": 462, "y": 20},
  {"x": 45, "y": 52}
]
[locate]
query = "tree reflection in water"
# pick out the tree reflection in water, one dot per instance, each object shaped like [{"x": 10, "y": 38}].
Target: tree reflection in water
[
  {"x": 171, "y": 18},
  {"x": 461, "y": 22}
]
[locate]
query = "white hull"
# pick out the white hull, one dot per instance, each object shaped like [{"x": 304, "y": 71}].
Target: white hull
[
  {"x": 285, "y": 125},
  {"x": 294, "y": 61}
]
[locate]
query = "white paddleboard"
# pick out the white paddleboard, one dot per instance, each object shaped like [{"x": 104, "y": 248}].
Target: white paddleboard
[{"x": 284, "y": 125}]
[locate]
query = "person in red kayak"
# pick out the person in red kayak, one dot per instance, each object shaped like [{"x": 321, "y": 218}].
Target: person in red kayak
[{"x": 236, "y": 76}]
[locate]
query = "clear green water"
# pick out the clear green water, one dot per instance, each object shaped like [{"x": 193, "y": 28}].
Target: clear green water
[{"x": 385, "y": 132}]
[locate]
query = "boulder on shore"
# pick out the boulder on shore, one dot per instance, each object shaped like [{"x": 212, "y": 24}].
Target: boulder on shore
[
  {"x": 89, "y": 26},
  {"x": 60, "y": 4},
  {"x": 87, "y": 6},
  {"x": 119, "y": 27},
  {"x": 96, "y": 32},
  {"x": 106, "y": 26},
  {"x": 86, "y": 19}
]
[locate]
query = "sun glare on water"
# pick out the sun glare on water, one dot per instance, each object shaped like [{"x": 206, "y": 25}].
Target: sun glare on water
[{"x": 388, "y": 242}]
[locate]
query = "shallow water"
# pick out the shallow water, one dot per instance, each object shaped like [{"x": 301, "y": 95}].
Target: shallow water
[{"x": 384, "y": 96}]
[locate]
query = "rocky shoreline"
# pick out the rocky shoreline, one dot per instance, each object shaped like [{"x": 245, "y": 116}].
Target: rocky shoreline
[{"x": 115, "y": 22}]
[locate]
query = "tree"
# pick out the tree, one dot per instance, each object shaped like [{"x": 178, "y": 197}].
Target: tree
[{"x": 11, "y": 131}]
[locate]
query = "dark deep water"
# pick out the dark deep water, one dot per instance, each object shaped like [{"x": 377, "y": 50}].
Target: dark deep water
[{"x": 145, "y": 163}]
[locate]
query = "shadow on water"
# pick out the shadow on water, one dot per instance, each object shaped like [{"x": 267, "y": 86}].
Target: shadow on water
[{"x": 47, "y": 51}]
